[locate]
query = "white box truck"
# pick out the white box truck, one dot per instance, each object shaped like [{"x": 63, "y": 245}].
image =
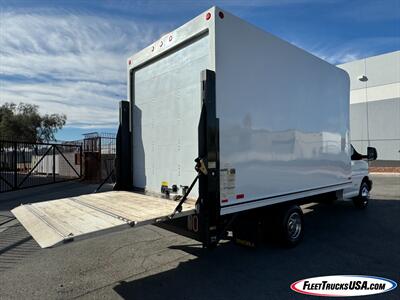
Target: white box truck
[{"x": 224, "y": 123}]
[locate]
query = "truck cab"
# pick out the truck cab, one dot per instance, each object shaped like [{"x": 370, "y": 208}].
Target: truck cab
[{"x": 361, "y": 182}]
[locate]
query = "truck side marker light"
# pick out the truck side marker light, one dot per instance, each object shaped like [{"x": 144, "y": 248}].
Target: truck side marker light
[
  {"x": 239, "y": 196},
  {"x": 221, "y": 14},
  {"x": 224, "y": 200},
  {"x": 129, "y": 62},
  {"x": 208, "y": 16}
]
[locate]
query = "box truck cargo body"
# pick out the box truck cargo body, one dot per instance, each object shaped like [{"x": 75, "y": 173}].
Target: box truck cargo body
[
  {"x": 223, "y": 121},
  {"x": 282, "y": 113}
]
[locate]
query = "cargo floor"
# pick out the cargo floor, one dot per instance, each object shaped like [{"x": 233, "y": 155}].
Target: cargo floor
[{"x": 55, "y": 222}]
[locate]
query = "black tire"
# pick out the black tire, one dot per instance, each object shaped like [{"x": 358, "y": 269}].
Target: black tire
[
  {"x": 361, "y": 201},
  {"x": 292, "y": 226}
]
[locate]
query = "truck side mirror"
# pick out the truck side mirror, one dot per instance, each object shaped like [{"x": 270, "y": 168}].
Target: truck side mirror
[{"x": 371, "y": 153}]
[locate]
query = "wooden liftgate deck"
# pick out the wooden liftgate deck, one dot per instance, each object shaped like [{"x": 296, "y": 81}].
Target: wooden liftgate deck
[{"x": 59, "y": 221}]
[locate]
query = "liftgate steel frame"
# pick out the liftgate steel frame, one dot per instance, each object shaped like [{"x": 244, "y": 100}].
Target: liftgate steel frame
[{"x": 208, "y": 150}]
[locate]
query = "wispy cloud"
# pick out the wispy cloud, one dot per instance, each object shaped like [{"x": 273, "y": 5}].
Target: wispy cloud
[
  {"x": 72, "y": 60},
  {"x": 70, "y": 63},
  {"x": 342, "y": 52},
  {"x": 370, "y": 11}
]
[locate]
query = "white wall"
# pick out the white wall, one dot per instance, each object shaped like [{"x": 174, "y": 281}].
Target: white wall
[{"x": 375, "y": 105}]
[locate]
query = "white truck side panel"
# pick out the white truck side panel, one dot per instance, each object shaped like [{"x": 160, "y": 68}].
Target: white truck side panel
[
  {"x": 283, "y": 113},
  {"x": 284, "y": 118}
]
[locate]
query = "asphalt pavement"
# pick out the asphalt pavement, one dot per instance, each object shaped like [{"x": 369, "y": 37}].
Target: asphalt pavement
[{"x": 152, "y": 263}]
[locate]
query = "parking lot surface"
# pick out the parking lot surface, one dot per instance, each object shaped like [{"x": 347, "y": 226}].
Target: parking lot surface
[{"x": 152, "y": 263}]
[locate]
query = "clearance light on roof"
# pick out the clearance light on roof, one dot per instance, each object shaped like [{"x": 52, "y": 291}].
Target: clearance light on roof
[
  {"x": 170, "y": 38},
  {"x": 208, "y": 16},
  {"x": 221, "y": 14}
]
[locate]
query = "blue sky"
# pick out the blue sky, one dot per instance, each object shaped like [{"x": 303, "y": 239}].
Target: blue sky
[{"x": 69, "y": 56}]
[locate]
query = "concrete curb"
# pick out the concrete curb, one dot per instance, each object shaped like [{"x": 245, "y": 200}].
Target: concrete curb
[{"x": 384, "y": 174}]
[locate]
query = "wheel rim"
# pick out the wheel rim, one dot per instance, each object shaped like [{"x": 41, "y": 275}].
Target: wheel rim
[
  {"x": 364, "y": 191},
  {"x": 294, "y": 225}
]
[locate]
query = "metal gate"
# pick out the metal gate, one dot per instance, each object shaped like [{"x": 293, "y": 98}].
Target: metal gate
[
  {"x": 24, "y": 164},
  {"x": 99, "y": 151}
]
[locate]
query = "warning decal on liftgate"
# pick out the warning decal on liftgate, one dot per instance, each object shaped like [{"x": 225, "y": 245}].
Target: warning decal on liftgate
[{"x": 227, "y": 182}]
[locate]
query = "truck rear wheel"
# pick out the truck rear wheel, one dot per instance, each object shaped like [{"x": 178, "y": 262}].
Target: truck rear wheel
[
  {"x": 292, "y": 226},
  {"x": 361, "y": 201}
]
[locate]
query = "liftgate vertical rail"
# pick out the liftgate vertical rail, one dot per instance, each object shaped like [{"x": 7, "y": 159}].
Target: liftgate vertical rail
[{"x": 209, "y": 151}]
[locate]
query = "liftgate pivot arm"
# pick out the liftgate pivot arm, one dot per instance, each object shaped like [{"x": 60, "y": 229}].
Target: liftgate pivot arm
[{"x": 201, "y": 170}]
